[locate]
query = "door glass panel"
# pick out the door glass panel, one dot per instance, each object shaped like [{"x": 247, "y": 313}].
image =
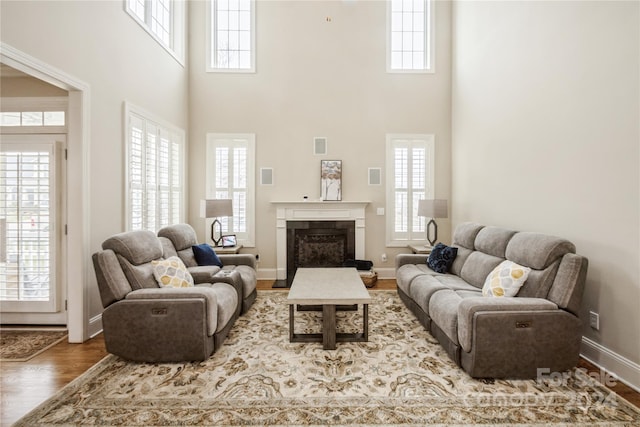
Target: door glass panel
[{"x": 26, "y": 224}]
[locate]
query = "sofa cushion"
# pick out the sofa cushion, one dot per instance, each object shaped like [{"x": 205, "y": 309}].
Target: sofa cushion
[
  {"x": 423, "y": 288},
  {"x": 443, "y": 310},
  {"x": 137, "y": 247},
  {"x": 505, "y": 280},
  {"x": 204, "y": 273},
  {"x": 183, "y": 236},
  {"x": 205, "y": 255},
  {"x": 461, "y": 258},
  {"x": 493, "y": 240},
  {"x": 406, "y": 273},
  {"x": 227, "y": 303},
  {"x": 139, "y": 276},
  {"x": 465, "y": 234},
  {"x": 172, "y": 273},
  {"x": 249, "y": 279},
  {"x": 168, "y": 250},
  {"x": 441, "y": 258},
  {"x": 477, "y": 267},
  {"x": 539, "y": 282},
  {"x": 537, "y": 250}
]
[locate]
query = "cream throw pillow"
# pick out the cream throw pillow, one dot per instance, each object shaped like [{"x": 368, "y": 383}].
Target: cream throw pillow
[
  {"x": 172, "y": 272},
  {"x": 505, "y": 280}
]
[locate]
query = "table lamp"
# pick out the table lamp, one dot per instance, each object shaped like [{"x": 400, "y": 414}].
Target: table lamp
[
  {"x": 216, "y": 208},
  {"x": 435, "y": 208}
]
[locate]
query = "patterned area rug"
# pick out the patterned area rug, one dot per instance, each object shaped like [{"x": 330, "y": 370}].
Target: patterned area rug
[
  {"x": 20, "y": 345},
  {"x": 400, "y": 377}
]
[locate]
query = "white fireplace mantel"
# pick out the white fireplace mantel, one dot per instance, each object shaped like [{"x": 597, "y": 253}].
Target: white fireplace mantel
[{"x": 315, "y": 211}]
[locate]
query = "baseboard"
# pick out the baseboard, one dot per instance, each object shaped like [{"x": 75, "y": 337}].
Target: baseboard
[
  {"x": 625, "y": 370},
  {"x": 266, "y": 273},
  {"x": 385, "y": 273},
  {"x": 95, "y": 325}
]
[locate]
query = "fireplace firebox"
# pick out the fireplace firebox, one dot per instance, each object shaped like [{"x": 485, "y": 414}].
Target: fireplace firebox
[{"x": 316, "y": 244}]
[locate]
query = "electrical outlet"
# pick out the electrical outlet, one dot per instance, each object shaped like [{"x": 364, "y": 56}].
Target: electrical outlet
[
  {"x": 383, "y": 257},
  {"x": 594, "y": 320}
]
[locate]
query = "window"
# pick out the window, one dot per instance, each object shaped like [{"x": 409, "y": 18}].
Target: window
[
  {"x": 410, "y": 36},
  {"x": 231, "y": 35},
  {"x": 231, "y": 175},
  {"x": 410, "y": 177},
  {"x": 34, "y": 115},
  {"x": 155, "y": 172},
  {"x": 164, "y": 20}
]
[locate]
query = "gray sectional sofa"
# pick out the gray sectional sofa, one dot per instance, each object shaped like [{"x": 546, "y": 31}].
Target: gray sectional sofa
[
  {"x": 144, "y": 322},
  {"x": 500, "y": 337}
]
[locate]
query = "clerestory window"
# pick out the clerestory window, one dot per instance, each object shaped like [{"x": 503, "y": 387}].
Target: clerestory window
[
  {"x": 164, "y": 20},
  {"x": 231, "y": 36},
  {"x": 410, "y": 36}
]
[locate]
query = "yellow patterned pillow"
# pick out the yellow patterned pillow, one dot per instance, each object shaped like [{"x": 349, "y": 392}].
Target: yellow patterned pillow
[
  {"x": 505, "y": 280},
  {"x": 172, "y": 272}
]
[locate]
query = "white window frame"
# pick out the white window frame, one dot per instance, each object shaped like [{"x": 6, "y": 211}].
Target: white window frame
[
  {"x": 211, "y": 55},
  {"x": 177, "y": 31},
  {"x": 176, "y": 136},
  {"x": 233, "y": 140},
  {"x": 411, "y": 236},
  {"x": 428, "y": 41}
]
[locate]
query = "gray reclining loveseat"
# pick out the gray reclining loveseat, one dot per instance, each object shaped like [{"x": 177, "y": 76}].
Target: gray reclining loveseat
[
  {"x": 145, "y": 322},
  {"x": 534, "y": 332}
]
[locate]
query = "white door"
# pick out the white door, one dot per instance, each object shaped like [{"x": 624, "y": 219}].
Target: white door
[{"x": 32, "y": 229}]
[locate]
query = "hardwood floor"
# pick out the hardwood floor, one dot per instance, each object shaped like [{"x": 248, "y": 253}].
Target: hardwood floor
[{"x": 24, "y": 385}]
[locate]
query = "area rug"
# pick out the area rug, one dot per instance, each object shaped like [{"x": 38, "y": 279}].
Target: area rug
[
  {"x": 20, "y": 345},
  {"x": 400, "y": 377}
]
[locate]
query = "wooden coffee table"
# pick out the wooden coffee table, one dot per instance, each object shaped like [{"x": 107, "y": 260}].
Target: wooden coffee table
[{"x": 328, "y": 287}]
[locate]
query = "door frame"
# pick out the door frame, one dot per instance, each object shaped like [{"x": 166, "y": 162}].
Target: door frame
[{"x": 77, "y": 262}]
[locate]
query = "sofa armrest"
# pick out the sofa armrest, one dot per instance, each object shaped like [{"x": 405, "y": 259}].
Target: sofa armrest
[
  {"x": 469, "y": 307},
  {"x": 203, "y": 273},
  {"x": 402, "y": 259},
  {"x": 238, "y": 259}
]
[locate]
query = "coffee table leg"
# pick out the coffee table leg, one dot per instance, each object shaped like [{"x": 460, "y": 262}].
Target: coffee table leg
[
  {"x": 290, "y": 322},
  {"x": 365, "y": 322},
  {"x": 329, "y": 327}
]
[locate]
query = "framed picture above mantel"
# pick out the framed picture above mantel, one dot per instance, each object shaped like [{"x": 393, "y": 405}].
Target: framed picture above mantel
[{"x": 331, "y": 180}]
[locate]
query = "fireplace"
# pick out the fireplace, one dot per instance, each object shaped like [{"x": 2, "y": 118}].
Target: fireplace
[
  {"x": 315, "y": 211},
  {"x": 319, "y": 244}
]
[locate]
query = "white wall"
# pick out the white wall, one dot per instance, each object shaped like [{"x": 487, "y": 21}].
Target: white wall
[
  {"x": 546, "y": 138},
  {"x": 98, "y": 43},
  {"x": 319, "y": 78}
]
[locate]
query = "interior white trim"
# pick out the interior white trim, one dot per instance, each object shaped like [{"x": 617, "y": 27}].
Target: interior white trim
[
  {"x": 625, "y": 370},
  {"x": 78, "y": 125},
  {"x": 310, "y": 211}
]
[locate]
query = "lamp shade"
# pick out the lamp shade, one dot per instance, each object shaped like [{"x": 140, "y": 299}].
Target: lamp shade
[
  {"x": 436, "y": 208},
  {"x": 215, "y": 208}
]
